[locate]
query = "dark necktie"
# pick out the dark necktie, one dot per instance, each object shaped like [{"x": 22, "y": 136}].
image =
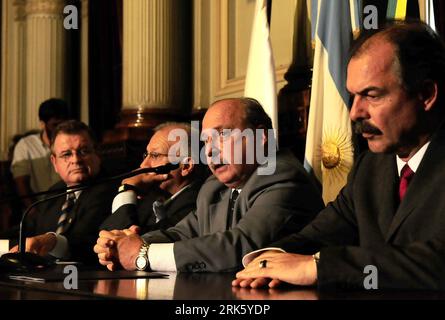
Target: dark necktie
[
  {"x": 405, "y": 178},
  {"x": 234, "y": 195},
  {"x": 65, "y": 218}
]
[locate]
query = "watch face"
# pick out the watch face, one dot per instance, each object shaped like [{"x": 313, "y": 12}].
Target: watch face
[{"x": 141, "y": 263}]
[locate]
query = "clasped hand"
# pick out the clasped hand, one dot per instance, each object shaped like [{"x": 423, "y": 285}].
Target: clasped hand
[{"x": 118, "y": 248}]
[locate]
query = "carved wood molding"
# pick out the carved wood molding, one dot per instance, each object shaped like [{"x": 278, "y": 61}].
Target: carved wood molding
[
  {"x": 44, "y": 7},
  {"x": 137, "y": 124},
  {"x": 20, "y": 13}
]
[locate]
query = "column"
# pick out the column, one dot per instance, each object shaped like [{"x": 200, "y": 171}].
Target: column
[
  {"x": 12, "y": 115},
  {"x": 84, "y": 62},
  {"x": 156, "y": 61},
  {"x": 45, "y": 55}
]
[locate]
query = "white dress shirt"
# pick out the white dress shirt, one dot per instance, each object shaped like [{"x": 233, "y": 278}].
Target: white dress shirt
[{"x": 415, "y": 160}]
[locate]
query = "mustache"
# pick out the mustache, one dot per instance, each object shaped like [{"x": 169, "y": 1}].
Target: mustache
[{"x": 361, "y": 126}]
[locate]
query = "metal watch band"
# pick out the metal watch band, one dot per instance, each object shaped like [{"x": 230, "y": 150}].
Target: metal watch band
[{"x": 126, "y": 187}]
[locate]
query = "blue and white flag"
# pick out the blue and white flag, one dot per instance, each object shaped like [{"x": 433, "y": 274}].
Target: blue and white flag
[{"x": 329, "y": 150}]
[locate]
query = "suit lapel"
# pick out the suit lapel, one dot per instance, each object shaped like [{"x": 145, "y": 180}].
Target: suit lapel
[
  {"x": 183, "y": 199},
  {"x": 52, "y": 215},
  {"x": 422, "y": 182},
  {"x": 218, "y": 212},
  {"x": 387, "y": 186}
]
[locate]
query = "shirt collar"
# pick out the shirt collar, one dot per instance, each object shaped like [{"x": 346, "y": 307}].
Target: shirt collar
[
  {"x": 415, "y": 160},
  {"x": 76, "y": 193}
]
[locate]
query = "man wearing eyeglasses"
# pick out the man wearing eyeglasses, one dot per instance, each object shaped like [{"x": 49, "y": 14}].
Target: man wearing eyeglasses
[
  {"x": 159, "y": 201},
  {"x": 66, "y": 227},
  {"x": 239, "y": 209}
]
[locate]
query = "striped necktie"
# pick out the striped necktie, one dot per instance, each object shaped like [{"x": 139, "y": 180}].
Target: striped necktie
[
  {"x": 65, "y": 218},
  {"x": 233, "y": 196}
]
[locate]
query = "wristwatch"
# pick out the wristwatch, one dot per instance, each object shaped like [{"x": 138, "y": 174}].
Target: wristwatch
[
  {"x": 126, "y": 187},
  {"x": 316, "y": 257},
  {"x": 142, "y": 262}
]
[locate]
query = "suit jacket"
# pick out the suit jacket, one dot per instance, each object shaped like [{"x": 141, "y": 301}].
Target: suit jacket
[
  {"x": 269, "y": 207},
  {"x": 142, "y": 213},
  {"x": 365, "y": 225},
  {"x": 90, "y": 209}
]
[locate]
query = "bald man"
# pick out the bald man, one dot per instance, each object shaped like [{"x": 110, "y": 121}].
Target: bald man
[{"x": 242, "y": 207}]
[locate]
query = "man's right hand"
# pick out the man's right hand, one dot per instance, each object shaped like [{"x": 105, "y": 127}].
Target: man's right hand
[
  {"x": 106, "y": 246},
  {"x": 41, "y": 244}
]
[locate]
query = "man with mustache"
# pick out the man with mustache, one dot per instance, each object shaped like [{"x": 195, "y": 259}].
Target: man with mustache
[
  {"x": 390, "y": 216},
  {"x": 67, "y": 226},
  {"x": 237, "y": 210}
]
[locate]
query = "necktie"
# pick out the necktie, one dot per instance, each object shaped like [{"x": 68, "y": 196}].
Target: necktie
[
  {"x": 405, "y": 178},
  {"x": 232, "y": 200},
  {"x": 65, "y": 218}
]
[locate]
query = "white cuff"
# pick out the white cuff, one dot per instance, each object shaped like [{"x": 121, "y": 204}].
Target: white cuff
[
  {"x": 162, "y": 257},
  {"x": 252, "y": 255},
  {"x": 4, "y": 247},
  {"x": 123, "y": 198},
  {"x": 61, "y": 249}
]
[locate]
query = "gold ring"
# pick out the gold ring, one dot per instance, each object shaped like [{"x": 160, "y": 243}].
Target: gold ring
[{"x": 263, "y": 264}]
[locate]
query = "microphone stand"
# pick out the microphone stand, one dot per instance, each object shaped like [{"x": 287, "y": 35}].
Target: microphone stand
[{"x": 23, "y": 261}]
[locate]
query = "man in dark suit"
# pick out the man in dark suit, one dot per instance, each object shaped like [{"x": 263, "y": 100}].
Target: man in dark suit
[
  {"x": 165, "y": 198},
  {"x": 242, "y": 207},
  {"x": 389, "y": 220},
  {"x": 67, "y": 226}
]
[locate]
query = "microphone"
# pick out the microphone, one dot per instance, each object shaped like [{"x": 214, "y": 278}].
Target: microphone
[
  {"x": 158, "y": 170},
  {"x": 23, "y": 261}
]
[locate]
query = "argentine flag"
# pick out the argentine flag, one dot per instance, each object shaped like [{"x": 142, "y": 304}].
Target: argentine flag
[{"x": 329, "y": 150}]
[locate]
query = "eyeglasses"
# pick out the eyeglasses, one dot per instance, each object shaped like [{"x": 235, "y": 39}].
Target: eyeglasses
[
  {"x": 153, "y": 155},
  {"x": 81, "y": 153},
  {"x": 157, "y": 155}
]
